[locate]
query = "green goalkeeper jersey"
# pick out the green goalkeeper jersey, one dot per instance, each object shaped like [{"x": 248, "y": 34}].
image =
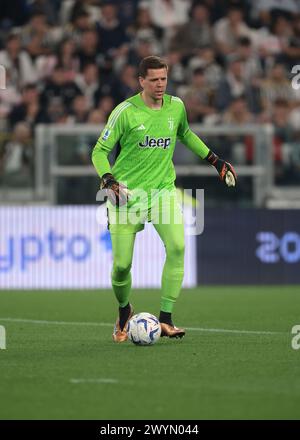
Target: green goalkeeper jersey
[{"x": 147, "y": 138}]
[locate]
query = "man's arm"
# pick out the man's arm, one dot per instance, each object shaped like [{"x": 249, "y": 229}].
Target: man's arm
[
  {"x": 225, "y": 169},
  {"x": 194, "y": 143},
  {"x": 100, "y": 160},
  {"x": 111, "y": 134},
  {"x": 108, "y": 138}
]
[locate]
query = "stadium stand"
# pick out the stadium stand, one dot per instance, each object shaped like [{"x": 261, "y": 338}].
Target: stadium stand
[{"x": 68, "y": 62}]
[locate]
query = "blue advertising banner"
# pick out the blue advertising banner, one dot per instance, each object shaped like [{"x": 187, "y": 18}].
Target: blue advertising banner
[
  {"x": 70, "y": 247},
  {"x": 249, "y": 246}
]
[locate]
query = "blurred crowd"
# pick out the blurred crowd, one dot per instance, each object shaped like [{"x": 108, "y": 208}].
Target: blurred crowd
[{"x": 71, "y": 61}]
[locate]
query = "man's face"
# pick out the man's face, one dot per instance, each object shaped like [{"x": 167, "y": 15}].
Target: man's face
[{"x": 155, "y": 83}]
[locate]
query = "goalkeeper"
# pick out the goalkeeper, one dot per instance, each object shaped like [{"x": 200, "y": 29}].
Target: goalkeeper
[{"x": 147, "y": 126}]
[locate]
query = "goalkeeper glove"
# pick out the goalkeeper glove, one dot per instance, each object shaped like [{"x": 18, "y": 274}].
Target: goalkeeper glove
[
  {"x": 117, "y": 193},
  {"x": 225, "y": 169}
]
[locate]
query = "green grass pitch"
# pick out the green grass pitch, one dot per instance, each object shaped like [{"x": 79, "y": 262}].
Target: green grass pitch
[{"x": 235, "y": 362}]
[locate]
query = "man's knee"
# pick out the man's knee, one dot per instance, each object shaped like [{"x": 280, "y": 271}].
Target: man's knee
[
  {"x": 121, "y": 269},
  {"x": 176, "y": 248}
]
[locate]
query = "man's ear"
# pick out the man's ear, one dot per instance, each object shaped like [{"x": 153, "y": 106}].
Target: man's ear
[{"x": 141, "y": 81}]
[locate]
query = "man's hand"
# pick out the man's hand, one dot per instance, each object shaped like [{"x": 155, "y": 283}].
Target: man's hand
[
  {"x": 225, "y": 169},
  {"x": 117, "y": 193}
]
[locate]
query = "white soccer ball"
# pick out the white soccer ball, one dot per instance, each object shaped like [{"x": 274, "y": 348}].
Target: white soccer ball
[{"x": 144, "y": 329}]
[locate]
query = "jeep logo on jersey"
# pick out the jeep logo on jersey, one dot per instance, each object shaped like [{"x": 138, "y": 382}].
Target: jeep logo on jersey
[{"x": 153, "y": 143}]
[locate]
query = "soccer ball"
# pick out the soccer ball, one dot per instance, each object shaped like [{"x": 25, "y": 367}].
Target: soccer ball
[{"x": 143, "y": 329}]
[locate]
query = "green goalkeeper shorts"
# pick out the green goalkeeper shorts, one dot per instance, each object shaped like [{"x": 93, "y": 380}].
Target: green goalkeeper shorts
[{"x": 165, "y": 209}]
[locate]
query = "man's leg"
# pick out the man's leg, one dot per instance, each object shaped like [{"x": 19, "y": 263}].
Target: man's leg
[
  {"x": 122, "y": 247},
  {"x": 171, "y": 231}
]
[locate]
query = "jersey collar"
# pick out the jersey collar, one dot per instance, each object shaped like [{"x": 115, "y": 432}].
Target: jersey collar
[{"x": 139, "y": 102}]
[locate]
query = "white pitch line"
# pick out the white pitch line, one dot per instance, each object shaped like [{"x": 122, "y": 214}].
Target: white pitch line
[
  {"x": 34, "y": 321},
  {"x": 77, "y": 381},
  {"x": 223, "y": 330},
  {"x": 106, "y": 324}
]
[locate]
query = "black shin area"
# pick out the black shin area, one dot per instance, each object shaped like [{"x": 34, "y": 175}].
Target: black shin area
[
  {"x": 124, "y": 315},
  {"x": 166, "y": 318}
]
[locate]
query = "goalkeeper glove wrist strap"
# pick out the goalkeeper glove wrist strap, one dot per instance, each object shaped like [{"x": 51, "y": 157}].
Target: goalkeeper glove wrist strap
[
  {"x": 214, "y": 160},
  {"x": 107, "y": 180}
]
